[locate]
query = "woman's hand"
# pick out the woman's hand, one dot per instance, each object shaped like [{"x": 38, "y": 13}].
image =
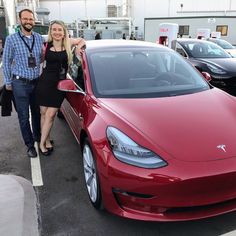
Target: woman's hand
[{"x": 80, "y": 45}]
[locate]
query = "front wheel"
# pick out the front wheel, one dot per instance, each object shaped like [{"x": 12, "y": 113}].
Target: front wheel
[{"x": 91, "y": 176}]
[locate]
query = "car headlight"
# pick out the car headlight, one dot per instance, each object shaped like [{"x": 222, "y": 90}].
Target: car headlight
[
  {"x": 216, "y": 70},
  {"x": 126, "y": 150}
]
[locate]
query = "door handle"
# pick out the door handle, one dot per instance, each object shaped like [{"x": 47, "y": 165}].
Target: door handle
[{"x": 81, "y": 117}]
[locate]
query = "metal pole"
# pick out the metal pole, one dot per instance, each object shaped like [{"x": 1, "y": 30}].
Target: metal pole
[
  {"x": 85, "y": 6},
  {"x": 169, "y": 8},
  {"x": 129, "y": 26},
  {"x": 59, "y": 2},
  {"x": 77, "y": 28},
  {"x": 128, "y": 8},
  {"x": 106, "y": 8}
]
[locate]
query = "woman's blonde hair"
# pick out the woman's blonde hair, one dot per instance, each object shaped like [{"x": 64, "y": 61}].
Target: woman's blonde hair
[{"x": 66, "y": 40}]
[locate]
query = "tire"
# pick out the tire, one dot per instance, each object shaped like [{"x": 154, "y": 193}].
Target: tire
[{"x": 91, "y": 176}]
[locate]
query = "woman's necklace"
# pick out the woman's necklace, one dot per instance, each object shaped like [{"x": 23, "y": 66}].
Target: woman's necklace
[{"x": 58, "y": 50}]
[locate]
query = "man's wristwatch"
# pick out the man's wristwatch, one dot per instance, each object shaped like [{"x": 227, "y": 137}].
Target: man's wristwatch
[{"x": 8, "y": 86}]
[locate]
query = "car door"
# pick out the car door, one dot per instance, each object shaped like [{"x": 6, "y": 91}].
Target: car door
[{"x": 72, "y": 105}]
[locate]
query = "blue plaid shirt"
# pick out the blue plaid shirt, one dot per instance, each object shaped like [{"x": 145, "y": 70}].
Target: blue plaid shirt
[{"x": 15, "y": 56}]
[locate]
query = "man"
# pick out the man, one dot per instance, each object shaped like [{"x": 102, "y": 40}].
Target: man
[
  {"x": 21, "y": 69},
  {"x": 98, "y": 36}
]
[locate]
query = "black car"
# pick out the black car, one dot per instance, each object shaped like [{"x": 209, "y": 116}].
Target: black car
[
  {"x": 1, "y": 47},
  {"x": 209, "y": 57}
]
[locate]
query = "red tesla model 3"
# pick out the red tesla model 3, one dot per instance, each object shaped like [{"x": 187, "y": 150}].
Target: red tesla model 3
[{"x": 157, "y": 141}]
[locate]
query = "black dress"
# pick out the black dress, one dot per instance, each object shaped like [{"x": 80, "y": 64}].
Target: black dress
[{"x": 47, "y": 93}]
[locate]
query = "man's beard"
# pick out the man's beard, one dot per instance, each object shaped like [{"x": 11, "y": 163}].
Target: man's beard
[{"x": 27, "y": 29}]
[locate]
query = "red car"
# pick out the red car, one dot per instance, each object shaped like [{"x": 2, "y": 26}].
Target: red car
[{"x": 158, "y": 142}]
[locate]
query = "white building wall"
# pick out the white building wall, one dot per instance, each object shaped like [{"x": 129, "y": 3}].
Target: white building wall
[
  {"x": 152, "y": 26},
  {"x": 200, "y": 5},
  {"x": 69, "y": 11}
]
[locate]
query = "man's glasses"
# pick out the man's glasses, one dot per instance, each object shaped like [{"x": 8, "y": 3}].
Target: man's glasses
[{"x": 27, "y": 19}]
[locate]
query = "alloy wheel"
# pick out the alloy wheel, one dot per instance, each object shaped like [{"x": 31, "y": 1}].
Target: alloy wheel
[{"x": 90, "y": 173}]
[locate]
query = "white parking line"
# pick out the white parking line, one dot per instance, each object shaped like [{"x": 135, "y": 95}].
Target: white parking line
[
  {"x": 232, "y": 233},
  {"x": 36, "y": 172}
]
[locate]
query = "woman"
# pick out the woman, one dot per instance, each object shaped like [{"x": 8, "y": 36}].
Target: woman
[{"x": 56, "y": 59}]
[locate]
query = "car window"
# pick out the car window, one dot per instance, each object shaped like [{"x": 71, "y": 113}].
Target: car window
[
  {"x": 142, "y": 73},
  {"x": 204, "y": 50},
  {"x": 75, "y": 70},
  {"x": 180, "y": 50}
]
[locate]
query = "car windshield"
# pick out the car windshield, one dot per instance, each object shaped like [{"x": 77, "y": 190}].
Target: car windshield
[
  {"x": 224, "y": 44},
  {"x": 204, "y": 50},
  {"x": 138, "y": 73}
]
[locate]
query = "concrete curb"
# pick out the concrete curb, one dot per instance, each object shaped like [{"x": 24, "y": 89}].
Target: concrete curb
[{"x": 18, "y": 207}]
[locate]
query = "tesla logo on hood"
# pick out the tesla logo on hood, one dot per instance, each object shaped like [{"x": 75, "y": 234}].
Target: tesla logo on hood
[{"x": 222, "y": 146}]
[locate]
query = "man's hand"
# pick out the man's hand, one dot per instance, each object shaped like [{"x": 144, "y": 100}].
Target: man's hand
[{"x": 9, "y": 87}]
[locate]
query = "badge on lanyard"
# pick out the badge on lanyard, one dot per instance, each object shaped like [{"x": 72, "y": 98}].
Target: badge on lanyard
[
  {"x": 31, "y": 58},
  {"x": 31, "y": 61}
]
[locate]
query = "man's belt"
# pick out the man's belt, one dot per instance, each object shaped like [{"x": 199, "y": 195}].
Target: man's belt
[{"x": 27, "y": 81}]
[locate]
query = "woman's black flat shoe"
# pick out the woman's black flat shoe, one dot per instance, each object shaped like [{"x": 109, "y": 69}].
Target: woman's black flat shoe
[
  {"x": 47, "y": 153},
  {"x": 50, "y": 149}
]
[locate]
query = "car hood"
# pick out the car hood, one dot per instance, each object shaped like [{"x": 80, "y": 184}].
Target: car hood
[
  {"x": 228, "y": 64},
  {"x": 195, "y": 127}
]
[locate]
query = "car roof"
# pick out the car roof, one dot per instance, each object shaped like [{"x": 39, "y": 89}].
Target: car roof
[
  {"x": 190, "y": 40},
  {"x": 218, "y": 40},
  {"x": 203, "y": 41},
  {"x": 120, "y": 43},
  {"x": 215, "y": 39}
]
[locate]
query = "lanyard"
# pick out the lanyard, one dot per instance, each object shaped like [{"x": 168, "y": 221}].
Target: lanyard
[{"x": 32, "y": 46}]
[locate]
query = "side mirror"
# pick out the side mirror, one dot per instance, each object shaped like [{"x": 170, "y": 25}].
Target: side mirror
[
  {"x": 68, "y": 85},
  {"x": 207, "y": 76}
]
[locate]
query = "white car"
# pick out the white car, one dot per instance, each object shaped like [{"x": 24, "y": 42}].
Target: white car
[{"x": 225, "y": 45}]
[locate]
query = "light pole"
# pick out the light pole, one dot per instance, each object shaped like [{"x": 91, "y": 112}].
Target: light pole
[
  {"x": 59, "y": 3},
  {"x": 169, "y": 8},
  {"x": 85, "y": 8}
]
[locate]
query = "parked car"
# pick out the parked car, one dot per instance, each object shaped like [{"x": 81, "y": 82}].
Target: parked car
[
  {"x": 1, "y": 47},
  {"x": 157, "y": 141},
  {"x": 225, "y": 45},
  {"x": 211, "y": 58}
]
